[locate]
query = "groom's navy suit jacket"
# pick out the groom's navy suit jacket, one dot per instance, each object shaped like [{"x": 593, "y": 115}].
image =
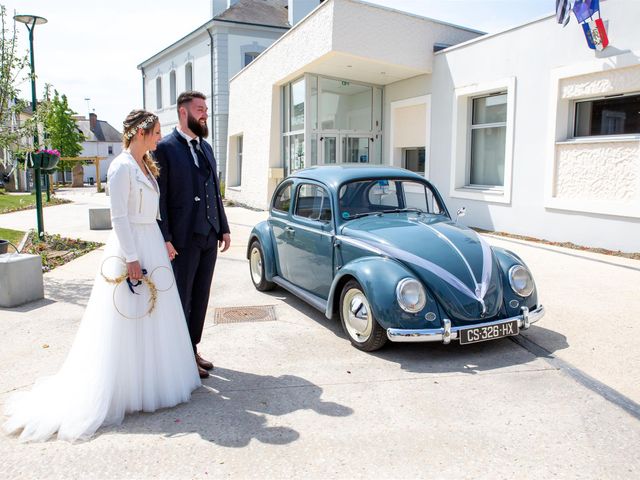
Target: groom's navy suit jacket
[{"x": 177, "y": 196}]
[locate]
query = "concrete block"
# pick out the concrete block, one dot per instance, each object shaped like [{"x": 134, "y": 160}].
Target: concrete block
[
  {"x": 100, "y": 219},
  {"x": 20, "y": 279}
]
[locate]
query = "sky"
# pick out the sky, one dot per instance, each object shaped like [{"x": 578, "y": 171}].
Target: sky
[{"x": 91, "y": 49}]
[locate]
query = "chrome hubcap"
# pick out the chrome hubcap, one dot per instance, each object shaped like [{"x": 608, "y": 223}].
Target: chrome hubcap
[
  {"x": 357, "y": 315},
  {"x": 256, "y": 266}
]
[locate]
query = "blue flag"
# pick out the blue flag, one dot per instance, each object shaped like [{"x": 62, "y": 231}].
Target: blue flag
[{"x": 584, "y": 9}]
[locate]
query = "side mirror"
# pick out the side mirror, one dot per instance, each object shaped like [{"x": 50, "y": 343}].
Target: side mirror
[{"x": 462, "y": 211}]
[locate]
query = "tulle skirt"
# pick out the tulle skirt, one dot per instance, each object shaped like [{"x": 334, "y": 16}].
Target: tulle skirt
[{"x": 123, "y": 359}]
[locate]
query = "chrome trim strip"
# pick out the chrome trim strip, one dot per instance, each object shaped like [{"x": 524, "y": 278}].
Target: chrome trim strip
[
  {"x": 310, "y": 298},
  {"x": 289, "y": 223},
  {"x": 448, "y": 333},
  {"x": 309, "y": 229}
]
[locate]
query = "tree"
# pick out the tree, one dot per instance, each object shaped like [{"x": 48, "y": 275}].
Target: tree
[
  {"x": 12, "y": 131},
  {"x": 60, "y": 128}
]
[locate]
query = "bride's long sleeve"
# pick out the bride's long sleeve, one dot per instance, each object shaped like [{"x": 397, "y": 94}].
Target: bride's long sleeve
[{"x": 119, "y": 186}]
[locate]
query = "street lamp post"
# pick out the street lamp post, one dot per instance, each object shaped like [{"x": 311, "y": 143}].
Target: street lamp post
[{"x": 31, "y": 21}]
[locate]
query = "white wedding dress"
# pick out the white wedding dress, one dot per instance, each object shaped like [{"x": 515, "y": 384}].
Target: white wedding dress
[{"x": 123, "y": 359}]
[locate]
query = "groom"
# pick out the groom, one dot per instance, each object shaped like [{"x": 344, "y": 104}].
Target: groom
[{"x": 193, "y": 222}]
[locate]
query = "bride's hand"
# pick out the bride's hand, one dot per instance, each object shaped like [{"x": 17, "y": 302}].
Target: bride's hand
[
  {"x": 172, "y": 252},
  {"x": 134, "y": 270}
]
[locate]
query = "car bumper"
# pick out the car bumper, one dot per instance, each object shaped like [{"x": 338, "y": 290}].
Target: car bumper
[{"x": 448, "y": 333}]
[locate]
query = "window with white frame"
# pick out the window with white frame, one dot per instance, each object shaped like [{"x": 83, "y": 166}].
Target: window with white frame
[
  {"x": 172, "y": 87},
  {"x": 239, "y": 159},
  {"x": 293, "y": 125},
  {"x": 159, "y": 93},
  {"x": 482, "y": 140},
  {"x": 188, "y": 76},
  {"x": 414, "y": 159},
  {"x": 611, "y": 115},
  {"x": 488, "y": 129}
]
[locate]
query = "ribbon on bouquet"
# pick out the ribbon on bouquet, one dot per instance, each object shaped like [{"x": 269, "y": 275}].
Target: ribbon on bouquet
[
  {"x": 131, "y": 284},
  {"x": 146, "y": 279},
  {"x": 408, "y": 257}
]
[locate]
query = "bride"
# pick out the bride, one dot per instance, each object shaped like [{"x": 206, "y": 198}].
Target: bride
[{"x": 132, "y": 351}]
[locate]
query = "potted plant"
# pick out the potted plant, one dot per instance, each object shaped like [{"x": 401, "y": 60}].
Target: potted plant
[
  {"x": 45, "y": 159},
  {"x": 4, "y": 244}
]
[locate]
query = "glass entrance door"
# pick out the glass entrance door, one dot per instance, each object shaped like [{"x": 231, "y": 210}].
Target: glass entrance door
[
  {"x": 355, "y": 149},
  {"x": 345, "y": 148},
  {"x": 329, "y": 149}
]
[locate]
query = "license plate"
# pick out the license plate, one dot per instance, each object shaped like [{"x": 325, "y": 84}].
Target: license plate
[{"x": 489, "y": 332}]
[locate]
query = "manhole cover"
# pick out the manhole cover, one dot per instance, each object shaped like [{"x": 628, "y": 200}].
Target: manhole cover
[{"x": 244, "y": 314}]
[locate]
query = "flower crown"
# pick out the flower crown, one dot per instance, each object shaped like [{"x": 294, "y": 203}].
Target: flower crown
[{"x": 143, "y": 125}]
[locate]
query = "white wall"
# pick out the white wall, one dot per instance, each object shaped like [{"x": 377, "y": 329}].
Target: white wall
[
  {"x": 369, "y": 31},
  {"x": 254, "y": 104},
  {"x": 409, "y": 93},
  {"x": 195, "y": 51},
  {"x": 561, "y": 189},
  {"x": 229, "y": 41},
  {"x": 338, "y": 29}
]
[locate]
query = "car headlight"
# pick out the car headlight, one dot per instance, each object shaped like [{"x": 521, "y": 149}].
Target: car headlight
[
  {"x": 521, "y": 280},
  {"x": 411, "y": 295}
]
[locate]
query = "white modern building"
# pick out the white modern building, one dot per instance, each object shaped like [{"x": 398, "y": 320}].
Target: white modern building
[
  {"x": 204, "y": 60},
  {"x": 532, "y": 131}
]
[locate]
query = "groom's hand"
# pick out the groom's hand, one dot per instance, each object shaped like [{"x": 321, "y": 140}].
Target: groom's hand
[
  {"x": 172, "y": 252},
  {"x": 225, "y": 243}
]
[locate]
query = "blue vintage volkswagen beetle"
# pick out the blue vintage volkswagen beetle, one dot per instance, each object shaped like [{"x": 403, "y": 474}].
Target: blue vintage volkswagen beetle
[{"x": 377, "y": 246}]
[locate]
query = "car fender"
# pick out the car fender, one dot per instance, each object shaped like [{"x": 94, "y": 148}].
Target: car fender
[
  {"x": 506, "y": 260},
  {"x": 378, "y": 277},
  {"x": 262, "y": 233}
]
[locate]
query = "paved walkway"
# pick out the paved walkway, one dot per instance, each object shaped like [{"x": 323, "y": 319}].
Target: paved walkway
[{"x": 292, "y": 398}]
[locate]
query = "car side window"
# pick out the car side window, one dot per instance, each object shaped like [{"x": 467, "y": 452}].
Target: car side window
[
  {"x": 313, "y": 203},
  {"x": 282, "y": 199}
]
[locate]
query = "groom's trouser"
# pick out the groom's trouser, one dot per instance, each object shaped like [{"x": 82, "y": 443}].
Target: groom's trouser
[{"x": 193, "y": 269}]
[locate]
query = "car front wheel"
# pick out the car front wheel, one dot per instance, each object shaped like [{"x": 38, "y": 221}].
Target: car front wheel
[
  {"x": 357, "y": 319},
  {"x": 257, "y": 268}
]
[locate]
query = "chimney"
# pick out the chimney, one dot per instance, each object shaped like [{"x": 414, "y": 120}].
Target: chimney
[{"x": 93, "y": 120}]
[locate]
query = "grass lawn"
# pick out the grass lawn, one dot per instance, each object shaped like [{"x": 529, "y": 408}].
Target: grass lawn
[
  {"x": 14, "y": 236},
  {"x": 13, "y": 203}
]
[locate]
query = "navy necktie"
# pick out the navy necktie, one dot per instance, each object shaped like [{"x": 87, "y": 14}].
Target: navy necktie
[{"x": 203, "y": 163}]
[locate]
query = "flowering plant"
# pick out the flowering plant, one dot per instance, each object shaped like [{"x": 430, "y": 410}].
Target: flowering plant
[{"x": 49, "y": 151}]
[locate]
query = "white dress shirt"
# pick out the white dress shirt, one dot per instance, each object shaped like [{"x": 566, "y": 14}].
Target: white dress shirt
[{"x": 188, "y": 139}]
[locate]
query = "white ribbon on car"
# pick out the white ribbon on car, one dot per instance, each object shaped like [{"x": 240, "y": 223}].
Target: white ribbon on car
[{"x": 398, "y": 254}]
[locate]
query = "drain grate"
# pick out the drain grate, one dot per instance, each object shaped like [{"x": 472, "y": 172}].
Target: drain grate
[{"x": 264, "y": 313}]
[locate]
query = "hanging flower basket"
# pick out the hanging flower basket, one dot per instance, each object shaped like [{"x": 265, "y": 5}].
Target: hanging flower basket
[{"x": 44, "y": 159}]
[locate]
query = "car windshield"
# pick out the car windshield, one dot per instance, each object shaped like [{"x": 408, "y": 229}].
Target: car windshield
[{"x": 381, "y": 196}]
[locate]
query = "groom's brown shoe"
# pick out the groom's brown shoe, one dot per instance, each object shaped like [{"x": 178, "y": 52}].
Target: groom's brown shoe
[
  {"x": 202, "y": 372},
  {"x": 202, "y": 363}
]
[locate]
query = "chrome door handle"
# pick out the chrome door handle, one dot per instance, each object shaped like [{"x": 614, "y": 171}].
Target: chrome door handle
[{"x": 290, "y": 230}]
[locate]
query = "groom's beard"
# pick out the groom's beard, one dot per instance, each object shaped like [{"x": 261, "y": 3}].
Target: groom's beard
[{"x": 200, "y": 129}]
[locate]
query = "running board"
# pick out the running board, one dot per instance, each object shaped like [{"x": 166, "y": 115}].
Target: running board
[{"x": 310, "y": 298}]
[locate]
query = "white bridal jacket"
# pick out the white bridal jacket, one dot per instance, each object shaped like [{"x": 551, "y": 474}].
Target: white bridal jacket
[{"x": 134, "y": 199}]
